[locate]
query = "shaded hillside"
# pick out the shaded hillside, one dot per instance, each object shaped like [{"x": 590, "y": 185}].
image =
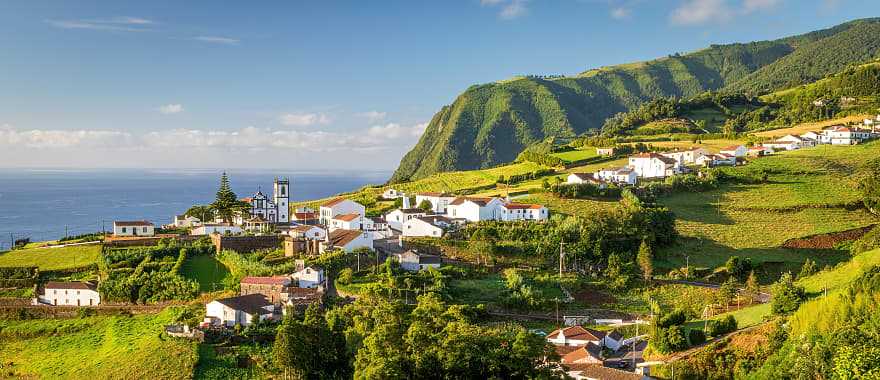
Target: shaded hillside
[{"x": 490, "y": 124}]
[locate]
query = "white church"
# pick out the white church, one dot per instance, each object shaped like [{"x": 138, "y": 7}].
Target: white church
[{"x": 274, "y": 210}]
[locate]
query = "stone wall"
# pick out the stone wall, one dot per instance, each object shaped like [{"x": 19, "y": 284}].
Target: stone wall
[{"x": 244, "y": 244}]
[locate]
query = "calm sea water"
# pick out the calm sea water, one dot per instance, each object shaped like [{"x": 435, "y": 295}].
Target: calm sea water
[{"x": 41, "y": 204}]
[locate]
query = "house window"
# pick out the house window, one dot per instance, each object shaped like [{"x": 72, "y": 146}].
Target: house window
[
  {"x": 145, "y": 229},
  {"x": 123, "y": 229}
]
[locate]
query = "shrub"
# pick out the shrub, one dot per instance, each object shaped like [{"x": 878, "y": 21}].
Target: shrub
[
  {"x": 666, "y": 340},
  {"x": 869, "y": 241},
  {"x": 787, "y": 296},
  {"x": 674, "y": 318},
  {"x": 718, "y": 327},
  {"x": 345, "y": 276},
  {"x": 738, "y": 267},
  {"x": 696, "y": 337}
]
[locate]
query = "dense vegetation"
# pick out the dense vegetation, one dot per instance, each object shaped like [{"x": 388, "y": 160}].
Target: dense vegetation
[{"x": 492, "y": 123}]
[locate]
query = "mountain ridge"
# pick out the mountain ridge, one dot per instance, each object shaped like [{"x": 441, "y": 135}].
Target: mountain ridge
[{"x": 490, "y": 124}]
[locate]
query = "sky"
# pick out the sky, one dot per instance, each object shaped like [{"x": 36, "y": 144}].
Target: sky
[{"x": 314, "y": 85}]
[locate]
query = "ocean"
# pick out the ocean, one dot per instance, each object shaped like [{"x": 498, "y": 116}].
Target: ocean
[{"x": 46, "y": 204}]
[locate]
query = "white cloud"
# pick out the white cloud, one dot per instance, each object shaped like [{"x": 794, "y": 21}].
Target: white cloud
[
  {"x": 700, "y": 12},
  {"x": 758, "y": 5},
  {"x": 396, "y": 131},
  {"x": 117, "y": 24},
  {"x": 620, "y": 13},
  {"x": 373, "y": 116},
  {"x": 218, "y": 40},
  {"x": 509, "y": 9},
  {"x": 169, "y": 109},
  {"x": 303, "y": 119},
  {"x": 696, "y": 12}
]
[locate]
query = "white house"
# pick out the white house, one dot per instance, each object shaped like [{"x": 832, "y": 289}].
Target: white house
[
  {"x": 309, "y": 277},
  {"x": 398, "y": 217},
  {"x": 605, "y": 151},
  {"x": 186, "y": 221},
  {"x": 589, "y": 353},
  {"x": 307, "y": 232},
  {"x": 69, "y": 294},
  {"x": 759, "y": 151},
  {"x": 378, "y": 226},
  {"x": 413, "y": 261},
  {"x": 391, "y": 194},
  {"x": 475, "y": 209},
  {"x": 241, "y": 310},
  {"x": 625, "y": 176},
  {"x": 653, "y": 165},
  {"x": 133, "y": 228},
  {"x": 579, "y": 178},
  {"x": 351, "y": 221},
  {"x": 216, "y": 228},
  {"x": 348, "y": 240},
  {"x": 801, "y": 141},
  {"x": 777, "y": 145},
  {"x": 717, "y": 160},
  {"x": 576, "y": 336},
  {"x": 340, "y": 206},
  {"x": 734, "y": 150},
  {"x": 841, "y": 135},
  {"x": 520, "y": 211},
  {"x": 686, "y": 157},
  {"x": 815, "y": 136},
  {"x": 426, "y": 226},
  {"x": 439, "y": 201}
]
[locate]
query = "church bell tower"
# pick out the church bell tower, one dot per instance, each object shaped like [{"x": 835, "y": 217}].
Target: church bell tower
[{"x": 282, "y": 198}]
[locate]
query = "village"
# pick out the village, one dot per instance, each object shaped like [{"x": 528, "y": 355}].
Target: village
[{"x": 343, "y": 226}]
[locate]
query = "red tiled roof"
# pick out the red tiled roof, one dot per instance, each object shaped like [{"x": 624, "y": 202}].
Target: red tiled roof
[
  {"x": 578, "y": 333},
  {"x": 333, "y": 202},
  {"x": 587, "y": 353},
  {"x": 479, "y": 201},
  {"x": 729, "y": 148},
  {"x": 598, "y": 371},
  {"x": 347, "y": 217},
  {"x": 522, "y": 206},
  {"x": 305, "y": 215},
  {"x": 303, "y": 228},
  {"x": 584, "y": 176},
  {"x": 67, "y": 285},
  {"x": 340, "y": 237},
  {"x": 657, "y": 156},
  {"x": 132, "y": 223},
  {"x": 274, "y": 280}
]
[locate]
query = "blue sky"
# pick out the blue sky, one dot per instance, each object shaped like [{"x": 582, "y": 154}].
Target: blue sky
[{"x": 315, "y": 84}]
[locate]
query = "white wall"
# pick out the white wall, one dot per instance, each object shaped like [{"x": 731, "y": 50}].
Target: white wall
[
  {"x": 419, "y": 228},
  {"x": 70, "y": 297},
  {"x": 309, "y": 277},
  {"x": 133, "y": 230},
  {"x": 344, "y": 207}
]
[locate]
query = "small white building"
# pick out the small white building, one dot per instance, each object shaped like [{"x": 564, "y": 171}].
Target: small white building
[
  {"x": 686, "y": 157},
  {"x": 339, "y": 206},
  {"x": 653, "y": 165},
  {"x": 521, "y": 211},
  {"x": 605, "y": 151},
  {"x": 777, "y": 145},
  {"x": 186, "y": 221},
  {"x": 307, "y": 232},
  {"x": 759, "y": 151},
  {"x": 576, "y": 336},
  {"x": 347, "y": 240},
  {"x": 216, "y": 228},
  {"x": 391, "y": 194},
  {"x": 801, "y": 141},
  {"x": 720, "y": 159},
  {"x": 735, "y": 151},
  {"x": 397, "y": 218},
  {"x": 426, "y": 226},
  {"x": 581, "y": 178},
  {"x": 133, "y": 228},
  {"x": 815, "y": 136},
  {"x": 351, "y": 221},
  {"x": 241, "y": 310},
  {"x": 439, "y": 201},
  {"x": 69, "y": 294},
  {"x": 620, "y": 176},
  {"x": 413, "y": 261},
  {"x": 475, "y": 209},
  {"x": 309, "y": 277}
]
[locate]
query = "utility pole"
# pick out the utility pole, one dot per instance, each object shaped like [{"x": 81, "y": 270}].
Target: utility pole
[
  {"x": 687, "y": 266},
  {"x": 65, "y": 230},
  {"x": 561, "y": 257}
]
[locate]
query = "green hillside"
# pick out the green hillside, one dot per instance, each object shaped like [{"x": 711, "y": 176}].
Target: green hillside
[{"x": 492, "y": 123}]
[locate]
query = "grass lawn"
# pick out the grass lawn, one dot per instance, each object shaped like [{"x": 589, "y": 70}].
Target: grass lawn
[
  {"x": 807, "y": 127},
  {"x": 101, "y": 347},
  {"x": 711, "y": 145},
  {"x": 842, "y": 274},
  {"x": 577, "y": 154},
  {"x": 52, "y": 258},
  {"x": 577, "y": 207},
  {"x": 620, "y": 162},
  {"x": 206, "y": 270},
  {"x": 488, "y": 289}
]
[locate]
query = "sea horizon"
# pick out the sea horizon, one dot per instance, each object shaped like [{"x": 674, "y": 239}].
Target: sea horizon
[{"x": 45, "y": 204}]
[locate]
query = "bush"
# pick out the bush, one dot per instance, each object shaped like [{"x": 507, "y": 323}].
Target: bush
[
  {"x": 737, "y": 267},
  {"x": 675, "y": 318},
  {"x": 718, "y": 327},
  {"x": 787, "y": 296},
  {"x": 666, "y": 340},
  {"x": 869, "y": 241},
  {"x": 345, "y": 276},
  {"x": 696, "y": 337}
]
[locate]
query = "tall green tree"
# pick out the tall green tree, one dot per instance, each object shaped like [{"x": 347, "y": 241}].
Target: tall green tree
[
  {"x": 203, "y": 213},
  {"x": 645, "y": 259},
  {"x": 787, "y": 296},
  {"x": 227, "y": 205}
]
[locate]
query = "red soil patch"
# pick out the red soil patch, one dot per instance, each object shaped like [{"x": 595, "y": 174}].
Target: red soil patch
[
  {"x": 592, "y": 296},
  {"x": 826, "y": 241}
]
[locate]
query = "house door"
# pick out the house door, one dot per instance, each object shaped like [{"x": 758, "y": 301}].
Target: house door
[
  {"x": 77, "y": 302},
  {"x": 55, "y": 302}
]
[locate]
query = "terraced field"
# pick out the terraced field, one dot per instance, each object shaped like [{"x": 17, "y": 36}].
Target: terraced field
[
  {"x": 810, "y": 191},
  {"x": 52, "y": 258},
  {"x": 577, "y": 154}
]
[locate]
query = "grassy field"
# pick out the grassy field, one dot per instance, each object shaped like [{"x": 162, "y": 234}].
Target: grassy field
[
  {"x": 577, "y": 207},
  {"x": 711, "y": 145},
  {"x": 101, "y": 347},
  {"x": 805, "y": 195},
  {"x": 206, "y": 270},
  {"x": 52, "y": 258},
  {"x": 576, "y": 155}
]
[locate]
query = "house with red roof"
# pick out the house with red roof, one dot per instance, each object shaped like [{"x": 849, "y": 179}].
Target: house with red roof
[
  {"x": 339, "y": 206},
  {"x": 734, "y": 150},
  {"x": 576, "y": 336},
  {"x": 654, "y": 165}
]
